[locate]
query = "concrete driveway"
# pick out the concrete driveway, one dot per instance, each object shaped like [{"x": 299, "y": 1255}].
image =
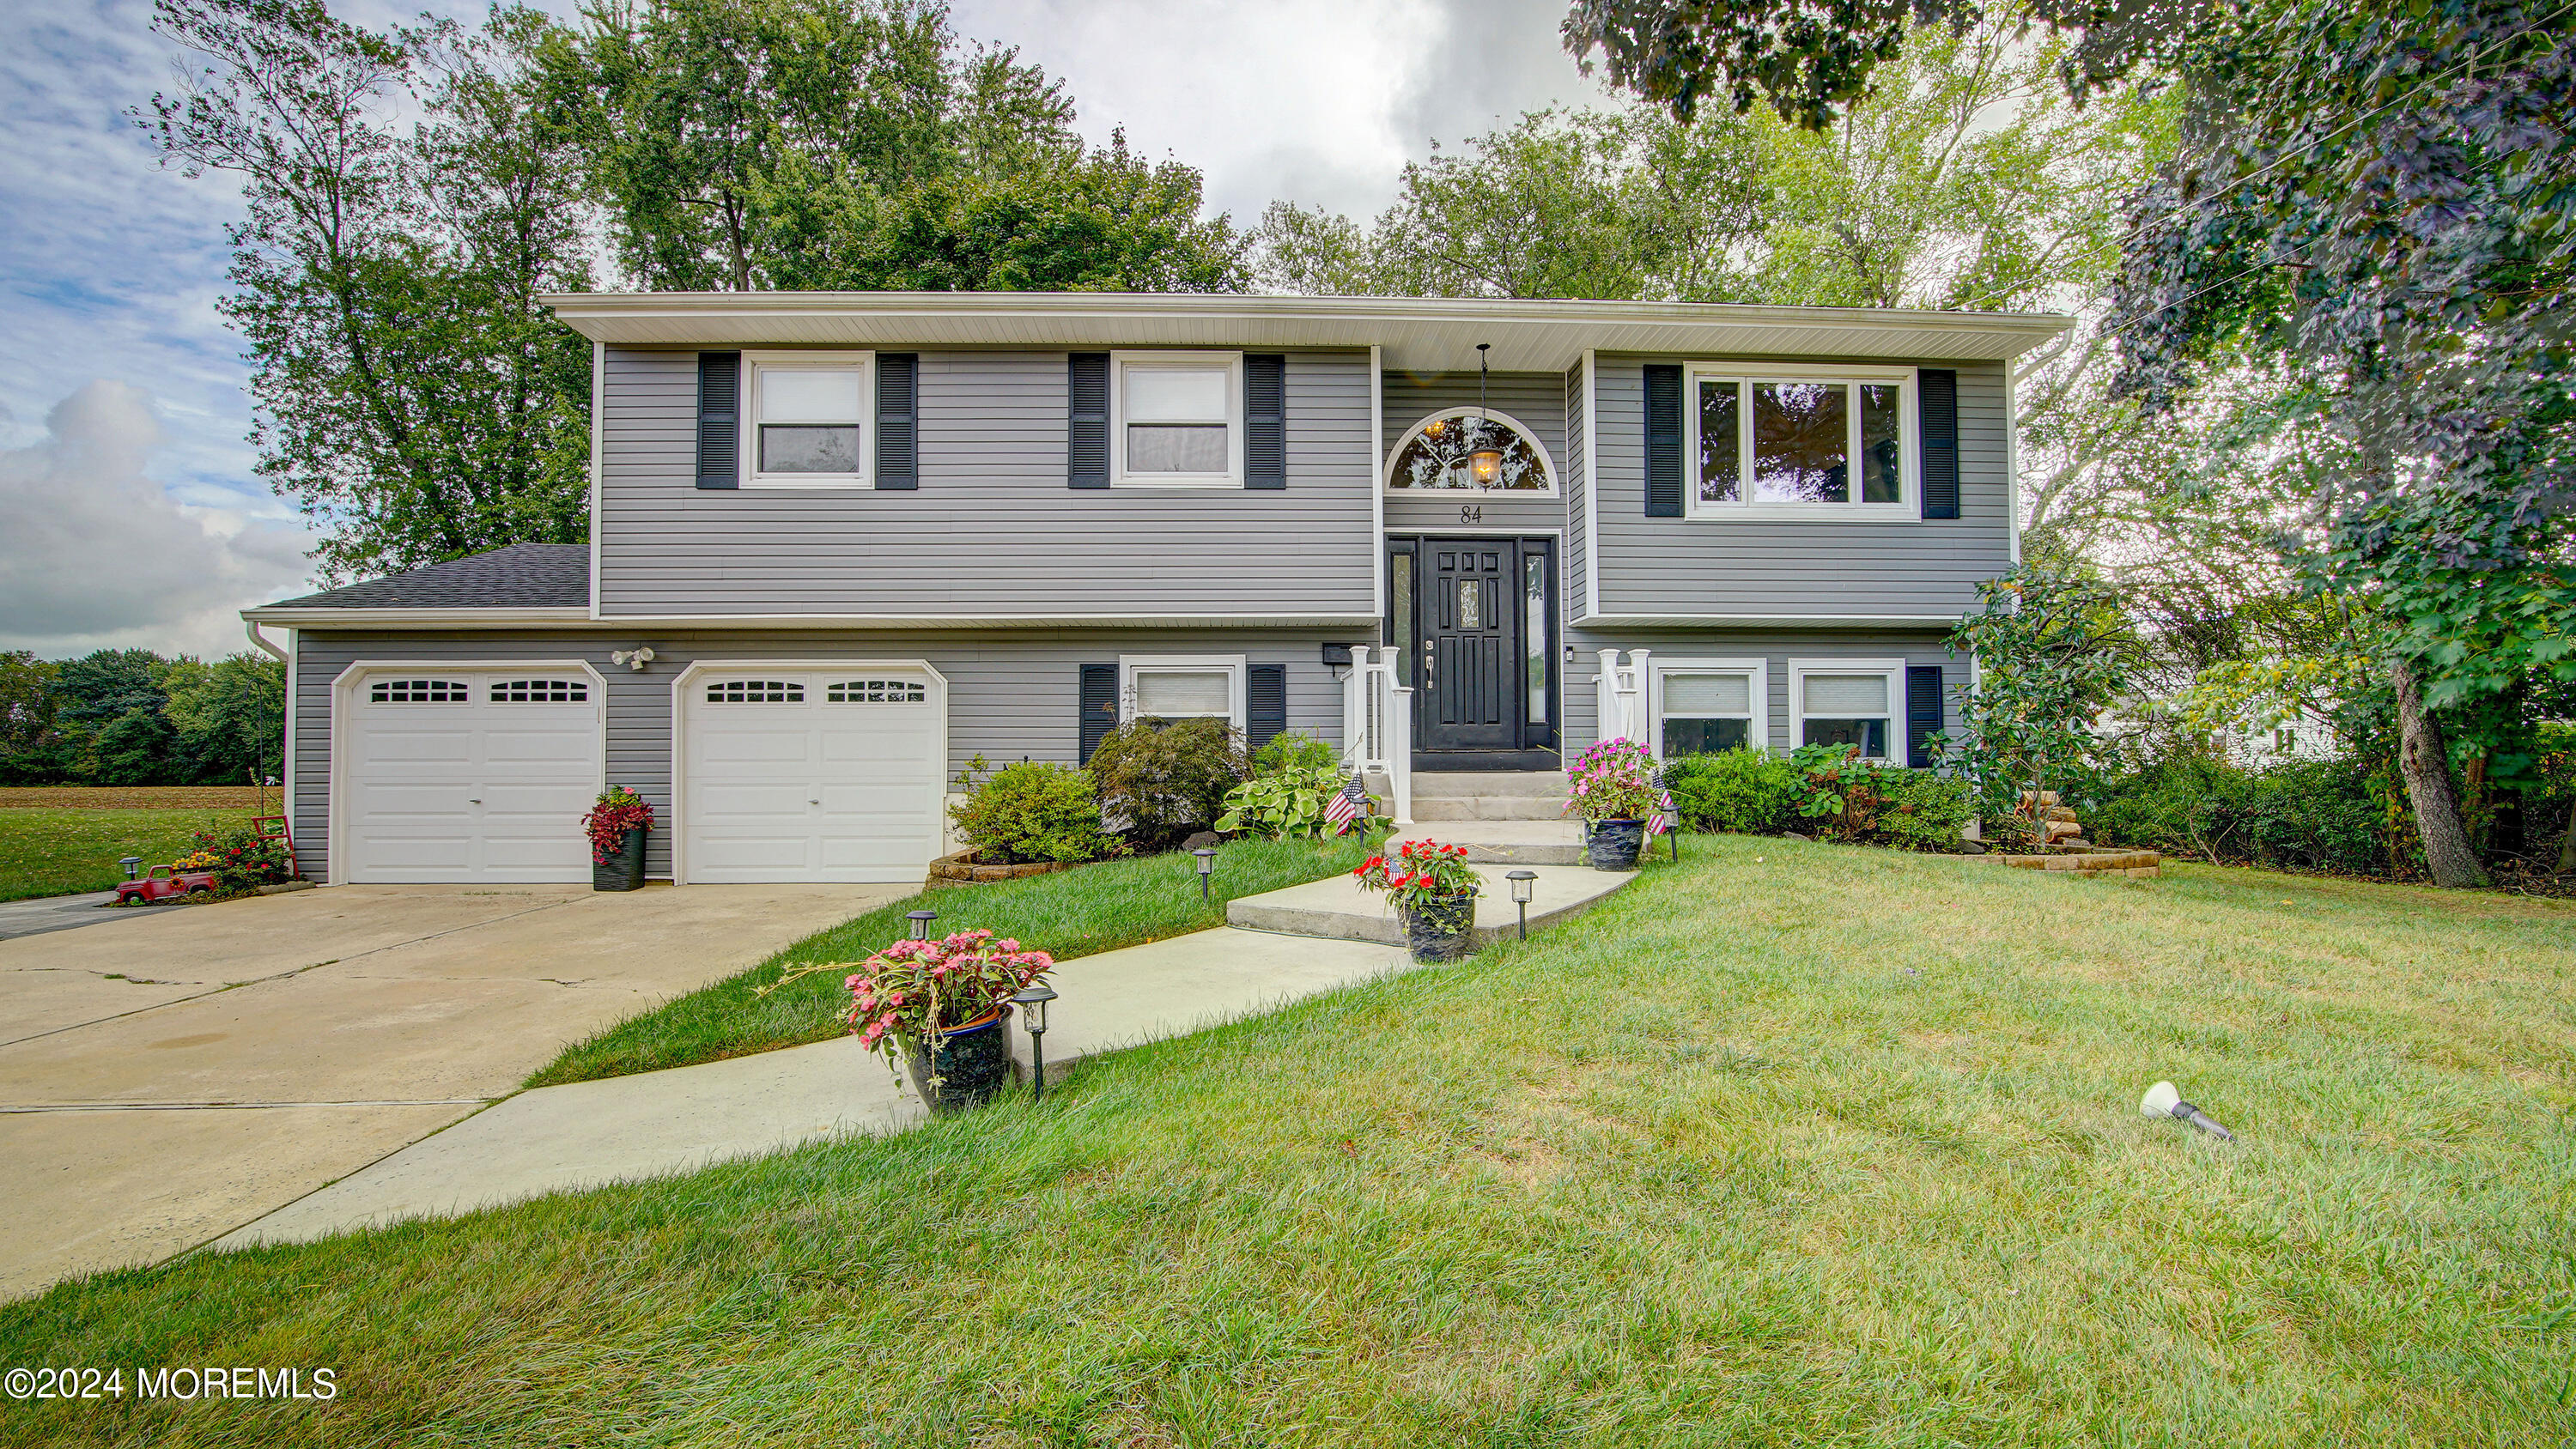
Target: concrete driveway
[{"x": 169, "y": 1077}]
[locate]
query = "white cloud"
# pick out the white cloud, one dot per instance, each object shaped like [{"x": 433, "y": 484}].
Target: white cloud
[{"x": 101, "y": 555}]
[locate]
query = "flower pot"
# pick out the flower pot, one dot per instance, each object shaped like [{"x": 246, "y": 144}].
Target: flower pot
[
  {"x": 1439, "y": 930},
  {"x": 624, "y": 868},
  {"x": 1613, "y": 844},
  {"x": 971, "y": 1063}
]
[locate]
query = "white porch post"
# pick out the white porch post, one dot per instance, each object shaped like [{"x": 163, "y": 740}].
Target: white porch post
[
  {"x": 1605, "y": 687},
  {"x": 1396, "y": 739},
  {"x": 1641, "y": 703}
]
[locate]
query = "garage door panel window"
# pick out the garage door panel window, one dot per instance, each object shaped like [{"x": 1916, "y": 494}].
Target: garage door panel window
[
  {"x": 1707, "y": 707},
  {"x": 419, "y": 691},
  {"x": 756, "y": 691},
  {"x": 1848, "y": 705},
  {"x": 541, "y": 691},
  {"x": 877, "y": 691}
]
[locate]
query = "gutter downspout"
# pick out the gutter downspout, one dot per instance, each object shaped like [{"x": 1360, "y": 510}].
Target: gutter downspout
[{"x": 251, "y": 627}]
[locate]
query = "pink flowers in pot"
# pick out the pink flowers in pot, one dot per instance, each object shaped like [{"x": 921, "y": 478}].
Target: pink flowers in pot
[
  {"x": 914, "y": 990},
  {"x": 1613, "y": 780}
]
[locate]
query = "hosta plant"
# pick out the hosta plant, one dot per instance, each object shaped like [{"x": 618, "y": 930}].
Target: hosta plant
[{"x": 1290, "y": 802}]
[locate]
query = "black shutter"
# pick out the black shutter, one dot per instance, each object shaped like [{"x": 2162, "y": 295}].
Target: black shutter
[
  {"x": 1663, "y": 440},
  {"x": 1086, "y": 385},
  {"x": 898, "y": 420},
  {"x": 1922, "y": 713},
  {"x": 1265, "y": 420},
  {"x": 1099, "y": 705},
  {"x": 1938, "y": 388},
  {"x": 1265, "y": 703},
  {"x": 719, "y": 419}
]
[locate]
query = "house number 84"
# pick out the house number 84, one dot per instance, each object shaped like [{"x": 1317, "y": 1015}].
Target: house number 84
[{"x": 1471, "y": 513}]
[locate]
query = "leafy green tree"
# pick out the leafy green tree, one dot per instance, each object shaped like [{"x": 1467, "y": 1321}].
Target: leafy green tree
[
  {"x": 230, "y": 716},
  {"x": 31, "y": 749},
  {"x": 107, "y": 685},
  {"x": 139, "y": 748},
  {"x": 413, "y": 396},
  {"x": 2055, "y": 650}
]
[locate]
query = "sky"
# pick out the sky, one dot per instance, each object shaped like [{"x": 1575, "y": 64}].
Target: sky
[{"x": 131, "y": 513}]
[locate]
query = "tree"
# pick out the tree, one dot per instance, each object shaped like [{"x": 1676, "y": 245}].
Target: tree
[
  {"x": 231, "y": 717},
  {"x": 854, "y": 145},
  {"x": 412, "y": 394},
  {"x": 2054, "y": 651},
  {"x": 2369, "y": 197},
  {"x": 31, "y": 749}
]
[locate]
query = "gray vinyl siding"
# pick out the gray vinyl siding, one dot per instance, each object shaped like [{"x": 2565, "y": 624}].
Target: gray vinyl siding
[
  {"x": 1575, "y": 563},
  {"x": 992, "y": 530},
  {"x": 1534, "y": 399},
  {"x": 1678, "y": 566},
  {"x": 1008, "y": 695},
  {"x": 1775, "y": 646}
]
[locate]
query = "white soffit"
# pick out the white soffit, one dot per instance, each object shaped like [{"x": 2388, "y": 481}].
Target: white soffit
[{"x": 1416, "y": 334}]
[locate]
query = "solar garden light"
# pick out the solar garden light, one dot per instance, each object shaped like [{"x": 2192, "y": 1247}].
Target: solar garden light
[
  {"x": 1033, "y": 1008},
  {"x": 133, "y": 866},
  {"x": 1524, "y": 890},
  {"x": 1207, "y": 866},
  {"x": 921, "y": 923},
  {"x": 2163, "y": 1101}
]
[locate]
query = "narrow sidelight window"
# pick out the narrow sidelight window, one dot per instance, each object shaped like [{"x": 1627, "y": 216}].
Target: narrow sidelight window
[
  {"x": 1721, "y": 466},
  {"x": 1534, "y": 650},
  {"x": 1400, "y": 604}
]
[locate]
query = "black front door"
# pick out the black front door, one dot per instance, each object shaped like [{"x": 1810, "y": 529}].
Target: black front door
[{"x": 1475, "y": 619}]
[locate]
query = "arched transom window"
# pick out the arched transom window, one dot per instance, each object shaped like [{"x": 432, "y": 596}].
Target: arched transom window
[{"x": 1438, "y": 455}]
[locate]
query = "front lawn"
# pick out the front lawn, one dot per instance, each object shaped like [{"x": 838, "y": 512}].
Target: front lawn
[
  {"x": 1786, "y": 1144},
  {"x": 1071, "y": 913},
  {"x": 56, "y": 842}
]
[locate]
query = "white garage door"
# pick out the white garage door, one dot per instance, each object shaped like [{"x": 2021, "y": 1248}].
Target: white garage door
[
  {"x": 469, "y": 775},
  {"x": 812, "y": 775}
]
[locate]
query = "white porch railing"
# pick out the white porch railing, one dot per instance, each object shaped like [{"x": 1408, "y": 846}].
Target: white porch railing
[
  {"x": 1377, "y": 725},
  {"x": 1623, "y": 707}
]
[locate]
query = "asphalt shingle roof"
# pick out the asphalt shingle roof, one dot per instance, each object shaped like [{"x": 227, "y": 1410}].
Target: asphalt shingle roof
[{"x": 522, "y": 576}]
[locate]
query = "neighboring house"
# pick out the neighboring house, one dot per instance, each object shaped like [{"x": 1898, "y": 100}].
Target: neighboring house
[{"x": 867, "y": 537}]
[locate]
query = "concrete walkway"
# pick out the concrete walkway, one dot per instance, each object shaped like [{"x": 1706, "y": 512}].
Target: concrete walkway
[
  {"x": 59, "y": 913},
  {"x": 590, "y": 1134}
]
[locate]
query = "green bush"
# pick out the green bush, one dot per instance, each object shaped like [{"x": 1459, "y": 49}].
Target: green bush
[
  {"x": 1920, "y": 810},
  {"x": 2304, "y": 814},
  {"x": 1025, "y": 813},
  {"x": 1283, "y": 802},
  {"x": 1161, "y": 780},
  {"x": 1295, "y": 750},
  {"x": 1743, "y": 791}
]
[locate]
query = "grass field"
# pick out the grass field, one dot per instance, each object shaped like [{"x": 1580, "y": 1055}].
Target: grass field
[
  {"x": 62, "y": 840},
  {"x": 1786, "y": 1144},
  {"x": 1071, "y": 913}
]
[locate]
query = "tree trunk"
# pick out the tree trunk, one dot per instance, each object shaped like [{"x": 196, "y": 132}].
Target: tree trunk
[{"x": 2422, "y": 760}]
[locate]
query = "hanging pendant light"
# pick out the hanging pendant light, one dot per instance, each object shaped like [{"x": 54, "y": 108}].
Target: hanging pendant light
[{"x": 1485, "y": 465}]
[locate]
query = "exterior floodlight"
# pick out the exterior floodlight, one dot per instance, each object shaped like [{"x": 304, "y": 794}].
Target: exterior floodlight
[
  {"x": 1032, "y": 1003},
  {"x": 2163, "y": 1101},
  {"x": 1524, "y": 890},
  {"x": 1207, "y": 866},
  {"x": 921, "y": 923},
  {"x": 635, "y": 658}
]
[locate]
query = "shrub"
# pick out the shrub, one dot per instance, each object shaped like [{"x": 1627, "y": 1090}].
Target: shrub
[
  {"x": 1160, "y": 780},
  {"x": 2305, "y": 814},
  {"x": 1295, "y": 750},
  {"x": 1029, "y": 812},
  {"x": 239, "y": 858},
  {"x": 1743, "y": 791},
  {"x": 1920, "y": 810},
  {"x": 1284, "y": 802}
]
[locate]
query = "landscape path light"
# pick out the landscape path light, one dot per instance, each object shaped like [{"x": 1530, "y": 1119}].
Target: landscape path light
[
  {"x": 1207, "y": 867},
  {"x": 1524, "y": 890},
  {"x": 1032, "y": 1002},
  {"x": 921, "y": 923},
  {"x": 133, "y": 866},
  {"x": 2162, "y": 1100}
]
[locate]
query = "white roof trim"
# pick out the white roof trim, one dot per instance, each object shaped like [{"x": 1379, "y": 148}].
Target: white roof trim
[
  {"x": 1414, "y": 333},
  {"x": 581, "y": 618},
  {"x": 1768, "y": 621}
]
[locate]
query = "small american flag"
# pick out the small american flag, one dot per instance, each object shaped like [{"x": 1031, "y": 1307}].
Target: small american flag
[
  {"x": 1662, "y": 820},
  {"x": 1345, "y": 806}
]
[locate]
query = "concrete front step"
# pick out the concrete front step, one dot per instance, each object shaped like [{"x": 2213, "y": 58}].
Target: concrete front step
[
  {"x": 1508, "y": 842},
  {"x": 1487, "y": 807},
  {"x": 1338, "y": 910},
  {"x": 1455, "y": 784}
]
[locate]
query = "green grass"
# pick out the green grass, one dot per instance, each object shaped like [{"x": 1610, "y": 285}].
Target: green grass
[
  {"x": 1072, "y": 913},
  {"x": 56, "y": 852},
  {"x": 1787, "y": 1144}
]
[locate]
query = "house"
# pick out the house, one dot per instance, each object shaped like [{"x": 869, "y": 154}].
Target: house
[{"x": 842, "y": 543}]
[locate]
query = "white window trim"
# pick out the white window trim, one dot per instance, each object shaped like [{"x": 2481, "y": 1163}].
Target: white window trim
[
  {"x": 1232, "y": 477},
  {"x": 1231, "y": 664},
  {"x": 749, "y": 411},
  {"x": 1894, "y": 669},
  {"x": 1547, "y": 463},
  {"x": 1758, "y": 733},
  {"x": 1909, "y": 472}
]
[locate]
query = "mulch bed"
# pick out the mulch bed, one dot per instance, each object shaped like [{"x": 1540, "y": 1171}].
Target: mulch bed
[{"x": 138, "y": 797}]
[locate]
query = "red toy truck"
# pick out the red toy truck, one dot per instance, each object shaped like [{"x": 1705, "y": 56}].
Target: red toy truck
[{"x": 163, "y": 883}]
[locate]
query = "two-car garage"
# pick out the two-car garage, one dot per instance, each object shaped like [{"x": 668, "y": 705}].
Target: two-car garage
[{"x": 780, "y": 772}]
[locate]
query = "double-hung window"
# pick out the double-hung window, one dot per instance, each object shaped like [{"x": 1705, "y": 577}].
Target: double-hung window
[
  {"x": 1181, "y": 687},
  {"x": 808, "y": 420},
  {"x": 1176, "y": 419},
  {"x": 1781, "y": 440},
  {"x": 1703, "y": 706},
  {"x": 1848, "y": 702}
]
